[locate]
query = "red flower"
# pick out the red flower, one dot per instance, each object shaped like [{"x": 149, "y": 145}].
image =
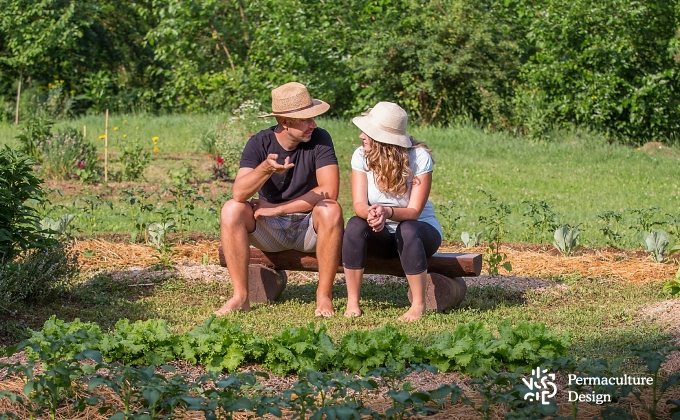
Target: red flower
[
  {"x": 220, "y": 160},
  {"x": 81, "y": 165}
]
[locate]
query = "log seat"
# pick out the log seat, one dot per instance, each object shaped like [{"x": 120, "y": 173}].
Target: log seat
[{"x": 446, "y": 287}]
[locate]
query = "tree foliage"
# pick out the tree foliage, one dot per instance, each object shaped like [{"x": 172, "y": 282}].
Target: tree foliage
[{"x": 522, "y": 65}]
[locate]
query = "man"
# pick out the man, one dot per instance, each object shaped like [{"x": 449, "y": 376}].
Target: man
[{"x": 294, "y": 169}]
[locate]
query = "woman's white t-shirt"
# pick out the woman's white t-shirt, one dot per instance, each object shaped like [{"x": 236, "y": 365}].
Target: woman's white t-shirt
[{"x": 421, "y": 163}]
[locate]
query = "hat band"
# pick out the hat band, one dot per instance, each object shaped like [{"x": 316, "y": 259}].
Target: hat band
[{"x": 293, "y": 110}]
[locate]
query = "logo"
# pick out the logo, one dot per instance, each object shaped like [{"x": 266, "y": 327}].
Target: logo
[{"x": 540, "y": 388}]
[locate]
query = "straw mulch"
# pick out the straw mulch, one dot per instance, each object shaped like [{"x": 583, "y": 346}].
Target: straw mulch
[{"x": 527, "y": 261}]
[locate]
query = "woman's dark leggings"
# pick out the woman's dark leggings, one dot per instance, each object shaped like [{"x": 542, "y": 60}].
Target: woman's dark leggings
[{"x": 413, "y": 242}]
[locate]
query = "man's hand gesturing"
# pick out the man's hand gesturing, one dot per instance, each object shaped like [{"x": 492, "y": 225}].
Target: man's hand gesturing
[{"x": 274, "y": 166}]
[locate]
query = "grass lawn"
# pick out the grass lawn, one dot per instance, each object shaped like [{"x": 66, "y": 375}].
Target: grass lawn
[{"x": 577, "y": 176}]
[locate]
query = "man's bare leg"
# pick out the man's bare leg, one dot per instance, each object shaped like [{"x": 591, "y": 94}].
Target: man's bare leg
[
  {"x": 417, "y": 283},
  {"x": 353, "y": 278},
  {"x": 236, "y": 220},
  {"x": 328, "y": 224}
]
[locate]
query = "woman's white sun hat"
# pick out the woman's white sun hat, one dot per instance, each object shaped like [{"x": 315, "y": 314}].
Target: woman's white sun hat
[
  {"x": 294, "y": 101},
  {"x": 386, "y": 122}
]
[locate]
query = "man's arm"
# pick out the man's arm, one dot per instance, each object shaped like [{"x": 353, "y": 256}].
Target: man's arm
[
  {"x": 249, "y": 180},
  {"x": 328, "y": 178}
]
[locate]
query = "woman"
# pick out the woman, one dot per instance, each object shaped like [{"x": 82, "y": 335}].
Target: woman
[{"x": 391, "y": 180}]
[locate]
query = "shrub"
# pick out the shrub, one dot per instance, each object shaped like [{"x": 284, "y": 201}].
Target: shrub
[
  {"x": 607, "y": 65},
  {"x": 68, "y": 155},
  {"x": 38, "y": 274},
  {"x": 19, "y": 188},
  {"x": 134, "y": 159},
  {"x": 34, "y": 129},
  {"x": 226, "y": 142}
]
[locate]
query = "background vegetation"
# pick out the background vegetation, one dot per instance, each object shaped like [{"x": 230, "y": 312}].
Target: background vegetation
[{"x": 524, "y": 66}]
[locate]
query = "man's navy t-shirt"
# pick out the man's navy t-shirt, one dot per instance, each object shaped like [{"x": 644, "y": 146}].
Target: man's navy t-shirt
[{"x": 307, "y": 157}]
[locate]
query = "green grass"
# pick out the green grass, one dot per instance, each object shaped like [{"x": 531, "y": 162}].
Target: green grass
[
  {"x": 600, "y": 316},
  {"x": 579, "y": 175}
]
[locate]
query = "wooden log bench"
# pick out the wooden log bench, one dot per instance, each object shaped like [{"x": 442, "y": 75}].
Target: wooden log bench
[{"x": 446, "y": 287}]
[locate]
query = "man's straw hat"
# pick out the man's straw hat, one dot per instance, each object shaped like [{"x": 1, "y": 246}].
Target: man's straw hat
[
  {"x": 386, "y": 122},
  {"x": 294, "y": 101}
]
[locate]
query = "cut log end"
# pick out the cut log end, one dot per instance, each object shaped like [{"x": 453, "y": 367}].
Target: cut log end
[
  {"x": 265, "y": 284},
  {"x": 442, "y": 292}
]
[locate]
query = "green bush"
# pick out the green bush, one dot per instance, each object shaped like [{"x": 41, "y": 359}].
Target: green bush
[
  {"x": 19, "y": 190},
  {"x": 607, "y": 65},
  {"x": 34, "y": 129},
  {"x": 67, "y": 155},
  {"x": 38, "y": 274}
]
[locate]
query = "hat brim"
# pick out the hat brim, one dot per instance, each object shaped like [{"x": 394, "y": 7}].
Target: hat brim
[
  {"x": 317, "y": 108},
  {"x": 380, "y": 135}
]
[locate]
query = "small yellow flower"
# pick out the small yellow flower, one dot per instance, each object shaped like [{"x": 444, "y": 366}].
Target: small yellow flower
[
  {"x": 115, "y": 128},
  {"x": 155, "y": 149},
  {"x": 102, "y": 137},
  {"x": 154, "y": 138},
  {"x": 124, "y": 136},
  {"x": 124, "y": 121}
]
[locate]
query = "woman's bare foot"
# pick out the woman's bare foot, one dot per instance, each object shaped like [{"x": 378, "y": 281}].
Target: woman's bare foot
[
  {"x": 234, "y": 305},
  {"x": 353, "y": 310},
  {"x": 413, "y": 314},
  {"x": 324, "y": 307}
]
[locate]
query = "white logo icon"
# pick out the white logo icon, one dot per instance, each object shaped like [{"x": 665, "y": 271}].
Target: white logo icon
[{"x": 539, "y": 386}]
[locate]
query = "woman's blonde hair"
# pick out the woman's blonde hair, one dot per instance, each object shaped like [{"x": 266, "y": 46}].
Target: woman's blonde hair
[{"x": 391, "y": 165}]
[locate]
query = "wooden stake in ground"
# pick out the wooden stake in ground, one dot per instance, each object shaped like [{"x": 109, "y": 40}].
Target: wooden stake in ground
[
  {"x": 16, "y": 114},
  {"x": 106, "y": 147}
]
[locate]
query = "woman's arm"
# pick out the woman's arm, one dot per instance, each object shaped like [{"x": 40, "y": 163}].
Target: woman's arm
[
  {"x": 420, "y": 192},
  {"x": 360, "y": 193}
]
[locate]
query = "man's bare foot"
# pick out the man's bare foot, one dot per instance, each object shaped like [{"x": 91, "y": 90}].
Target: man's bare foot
[
  {"x": 413, "y": 314},
  {"x": 352, "y": 310},
  {"x": 233, "y": 305},
  {"x": 324, "y": 307}
]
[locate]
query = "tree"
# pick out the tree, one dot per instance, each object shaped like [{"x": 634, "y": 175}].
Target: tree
[{"x": 31, "y": 31}]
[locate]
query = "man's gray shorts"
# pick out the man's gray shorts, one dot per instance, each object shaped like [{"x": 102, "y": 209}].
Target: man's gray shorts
[{"x": 281, "y": 233}]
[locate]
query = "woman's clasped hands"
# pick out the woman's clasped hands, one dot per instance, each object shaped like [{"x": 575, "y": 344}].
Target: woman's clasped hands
[{"x": 377, "y": 215}]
